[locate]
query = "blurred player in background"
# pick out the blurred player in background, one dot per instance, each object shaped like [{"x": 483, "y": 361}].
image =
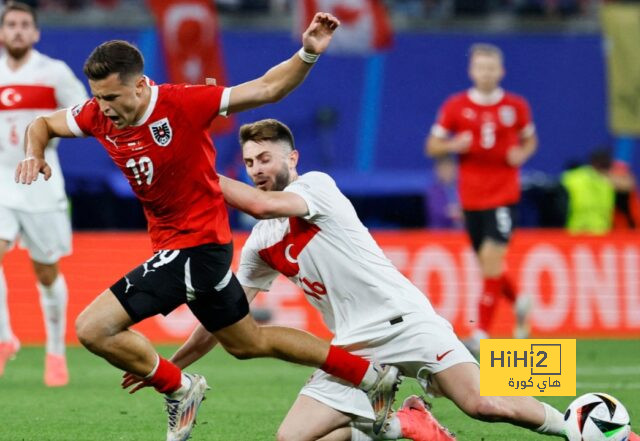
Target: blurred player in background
[
  {"x": 158, "y": 136},
  {"x": 312, "y": 235},
  {"x": 492, "y": 133},
  {"x": 32, "y": 84}
]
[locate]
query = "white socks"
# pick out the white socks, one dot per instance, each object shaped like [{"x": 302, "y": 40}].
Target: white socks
[
  {"x": 362, "y": 430},
  {"x": 5, "y": 325},
  {"x": 553, "y": 421},
  {"x": 53, "y": 300},
  {"x": 182, "y": 390},
  {"x": 369, "y": 379}
]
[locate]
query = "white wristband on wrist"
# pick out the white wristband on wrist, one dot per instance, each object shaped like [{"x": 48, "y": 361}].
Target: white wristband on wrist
[{"x": 307, "y": 57}]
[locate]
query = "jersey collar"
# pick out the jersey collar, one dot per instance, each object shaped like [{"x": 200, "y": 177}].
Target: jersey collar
[
  {"x": 483, "y": 99},
  {"x": 150, "y": 107}
]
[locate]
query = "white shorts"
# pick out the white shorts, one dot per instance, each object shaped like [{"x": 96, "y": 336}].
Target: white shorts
[
  {"x": 46, "y": 235},
  {"x": 424, "y": 343}
]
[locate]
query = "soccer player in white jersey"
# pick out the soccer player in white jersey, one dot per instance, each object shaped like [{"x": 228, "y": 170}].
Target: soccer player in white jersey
[
  {"x": 312, "y": 234},
  {"x": 32, "y": 84}
]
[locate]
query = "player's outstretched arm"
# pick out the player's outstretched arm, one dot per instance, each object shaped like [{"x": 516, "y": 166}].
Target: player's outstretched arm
[
  {"x": 38, "y": 135},
  {"x": 262, "y": 204},
  {"x": 281, "y": 79}
]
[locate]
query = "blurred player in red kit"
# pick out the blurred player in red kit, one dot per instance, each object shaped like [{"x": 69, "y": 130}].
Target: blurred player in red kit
[
  {"x": 158, "y": 136},
  {"x": 492, "y": 132}
]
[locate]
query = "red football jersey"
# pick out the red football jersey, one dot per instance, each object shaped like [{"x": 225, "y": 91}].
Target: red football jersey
[
  {"x": 169, "y": 160},
  {"x": 496, "y": 124}
]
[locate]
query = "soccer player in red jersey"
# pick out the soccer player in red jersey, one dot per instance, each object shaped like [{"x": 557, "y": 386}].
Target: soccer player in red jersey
[
  {"x": 492, "y": 133},
  {"x": 158, "y": 136}
]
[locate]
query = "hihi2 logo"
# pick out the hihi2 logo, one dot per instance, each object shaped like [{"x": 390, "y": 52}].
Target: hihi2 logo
[{"x": 527, "y": 367}]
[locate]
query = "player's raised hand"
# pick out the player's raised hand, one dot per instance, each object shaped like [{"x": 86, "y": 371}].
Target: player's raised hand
[
  {"x": 29, "y": 168},
  {"x": 318, "y": 35},
  {"x": 129, "y": 380}
]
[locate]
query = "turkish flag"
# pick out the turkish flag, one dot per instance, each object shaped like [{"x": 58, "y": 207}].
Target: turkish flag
[
  {"x": 364, "y": 24},
  {"x": 191, "y": 42}
]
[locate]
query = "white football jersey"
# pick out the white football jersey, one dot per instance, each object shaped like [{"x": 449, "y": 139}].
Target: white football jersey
[
  {"x": 39, "y": 87},
  {"x": 332, "y": 256}
]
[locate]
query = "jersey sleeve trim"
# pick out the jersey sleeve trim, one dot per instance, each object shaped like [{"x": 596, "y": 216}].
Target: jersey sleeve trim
[
  {"x": 439, "y": 132},
  {"x": 224, "y": 102},
  {"x": 528, "y": 130},
  {"x": 73, "y": 125}
]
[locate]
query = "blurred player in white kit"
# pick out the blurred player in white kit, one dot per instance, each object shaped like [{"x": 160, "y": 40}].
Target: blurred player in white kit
[{"x": 32, "y": 84}]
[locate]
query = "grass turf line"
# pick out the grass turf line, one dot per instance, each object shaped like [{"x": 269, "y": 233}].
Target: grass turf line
[{"x": 247, "y": 401}]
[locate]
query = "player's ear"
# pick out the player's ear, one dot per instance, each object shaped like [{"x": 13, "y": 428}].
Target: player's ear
[
  {"x": 293, "y": 158},
  {"x": 37, "y": 38},
  {"x": 141, "y": 82}
]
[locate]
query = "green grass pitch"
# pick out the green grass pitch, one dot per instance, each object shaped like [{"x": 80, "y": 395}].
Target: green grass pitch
[{"x": 248, "y": 399}]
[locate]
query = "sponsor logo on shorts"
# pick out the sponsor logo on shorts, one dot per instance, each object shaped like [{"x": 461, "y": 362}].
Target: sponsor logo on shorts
[{"x": 439, "y": 357}]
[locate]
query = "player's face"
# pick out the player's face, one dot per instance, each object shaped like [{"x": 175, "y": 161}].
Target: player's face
[
  {"x": 486, "y": 71},
  {"x": 18, "y": 33},
  {"x": 121, "y": 101},
  {"x": 269, "y": 164}
]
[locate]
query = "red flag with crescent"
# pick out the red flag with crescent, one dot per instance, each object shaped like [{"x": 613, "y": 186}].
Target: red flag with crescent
[{"x": 191, "y": 41}]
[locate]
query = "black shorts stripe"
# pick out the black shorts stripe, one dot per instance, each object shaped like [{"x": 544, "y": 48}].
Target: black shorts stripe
[{"x": 198, "y": 276}]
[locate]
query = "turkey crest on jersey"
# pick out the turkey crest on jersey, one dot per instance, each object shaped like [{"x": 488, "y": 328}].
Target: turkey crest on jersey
[{"x": 161, "y": 131}]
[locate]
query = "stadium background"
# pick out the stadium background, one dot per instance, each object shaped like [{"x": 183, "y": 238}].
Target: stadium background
[{"x": 363, "y": 118}]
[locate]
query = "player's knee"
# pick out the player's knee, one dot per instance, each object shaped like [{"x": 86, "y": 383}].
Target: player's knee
[
  {"x": 486, "y": 409},
  {"x": 88, "y": 333},
  {"x": 46, "y": 275},
  {"x": 245, "y": 351},
  {"x": 286, "y": 434}
]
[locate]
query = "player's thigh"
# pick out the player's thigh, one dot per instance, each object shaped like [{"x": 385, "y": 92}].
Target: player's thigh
[
  {"x": 46, "y": 235},
  {"x": 474, "y": 225},
  {"x": 224, "y": 311},
  {"x": 309, "y": 419},
  {"x": 9, "y": 229},
  {"x": 499, "y": 224},
  {"x": 460, "y": 383},
  {"x": 103, "y": 317}
]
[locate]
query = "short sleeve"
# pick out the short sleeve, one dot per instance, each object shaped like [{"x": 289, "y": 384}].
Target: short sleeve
[
  {"x": 318, "y": 190},
  {"x": 445, "y": 121},
  {"x": 203, "y": 103},
  {"x": 253, "y": 272},
  {"x": 525, "y": 120},
  {"x": 81, "y": 118},
  {"x": 69, "y": 89}
]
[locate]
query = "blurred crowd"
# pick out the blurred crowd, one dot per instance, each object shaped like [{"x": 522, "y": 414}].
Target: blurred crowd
[{"x": 414, "y": 8}]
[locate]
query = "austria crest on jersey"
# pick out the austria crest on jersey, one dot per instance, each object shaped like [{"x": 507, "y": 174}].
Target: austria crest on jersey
[{"x": 161, "y": 132}]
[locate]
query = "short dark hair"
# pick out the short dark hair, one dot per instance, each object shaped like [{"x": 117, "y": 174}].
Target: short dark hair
[
  {"x": 486, "y": 49},
  {"x": 266, "y": 130},
  {"x": 18, "y": 6},
  {"x": 115, "y": 56}
]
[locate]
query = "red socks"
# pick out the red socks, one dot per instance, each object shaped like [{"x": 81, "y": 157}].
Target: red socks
[
  {"x": 167, "y": 378},
  {"x": 508, "y": 289},
  {"x": 491, "y": 291},
  {"x": 488, "y": 301},
  {"x": 342, "y": 364}
]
